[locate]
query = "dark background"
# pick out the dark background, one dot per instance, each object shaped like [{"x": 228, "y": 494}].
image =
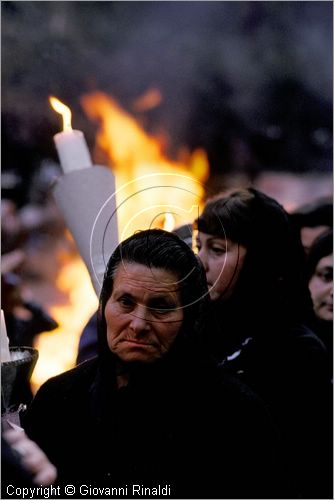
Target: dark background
[{"x": 251, "y": 82}]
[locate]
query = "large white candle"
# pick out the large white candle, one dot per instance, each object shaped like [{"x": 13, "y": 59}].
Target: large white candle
[
  {"x": 71, "y": 145},
  {"x": 72, "y": 150},
  {"x": 86, "y": 198},
  {"x": 5, "y": 354}
]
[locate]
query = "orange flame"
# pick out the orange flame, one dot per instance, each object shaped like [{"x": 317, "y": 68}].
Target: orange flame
[
  {"x": 151, "y": 99},
  {"x": 143, "y": 172},
  {"x": 58, "y": 349}
]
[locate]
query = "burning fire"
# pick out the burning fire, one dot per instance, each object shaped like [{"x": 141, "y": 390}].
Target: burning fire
[
  {"x": 150, "y": 187},
  {"x": 151, "y": 99},
  {"x": 58, "y": 349},
  {"x": 152, "y": 191}
]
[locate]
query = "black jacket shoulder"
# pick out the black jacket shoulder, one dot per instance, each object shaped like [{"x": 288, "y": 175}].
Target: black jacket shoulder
[{"x": 83, "y": 372}]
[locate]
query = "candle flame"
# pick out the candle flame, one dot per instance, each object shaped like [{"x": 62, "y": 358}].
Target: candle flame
[
  {"x": 169, "y": 222},
  {"x": 63, "y": 110}
]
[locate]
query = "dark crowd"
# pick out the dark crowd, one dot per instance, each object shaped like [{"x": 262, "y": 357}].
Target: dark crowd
[{"x": 206, "y": 371}]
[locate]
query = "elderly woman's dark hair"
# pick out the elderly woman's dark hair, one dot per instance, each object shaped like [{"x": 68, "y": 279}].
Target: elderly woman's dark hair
[
  {"x": 320, "y": 248},
  {"x": 273, "y": 275},
  {"x": 156, "y": 248}
]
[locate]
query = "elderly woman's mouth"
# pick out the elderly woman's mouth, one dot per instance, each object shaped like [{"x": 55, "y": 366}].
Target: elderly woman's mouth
[{"x": 138, "y": 342}]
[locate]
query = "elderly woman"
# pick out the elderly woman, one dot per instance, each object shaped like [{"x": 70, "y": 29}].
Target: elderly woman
[
  {"x": 257, "y": 330},
  {"x": 149, "y": 416}
]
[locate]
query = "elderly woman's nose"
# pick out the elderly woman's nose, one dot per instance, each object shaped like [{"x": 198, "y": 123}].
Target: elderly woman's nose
[{"x": 139, "y": 321}]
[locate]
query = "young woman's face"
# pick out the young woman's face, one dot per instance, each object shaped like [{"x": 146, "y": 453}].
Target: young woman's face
[
  {"x": 223, "y": 260},
  {"x": 321, "y": 288},
  {"x": 143, "y": 314}
]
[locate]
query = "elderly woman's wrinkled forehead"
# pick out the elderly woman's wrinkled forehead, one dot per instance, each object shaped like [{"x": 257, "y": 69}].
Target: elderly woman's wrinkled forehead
[{"x": 158, "y": 249}]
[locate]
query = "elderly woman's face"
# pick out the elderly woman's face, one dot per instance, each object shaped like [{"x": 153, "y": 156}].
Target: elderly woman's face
[
  {"x": 321, "y": 288},
  {"x": 144, "y": 313},
  {"x": 223, "y": 260}
]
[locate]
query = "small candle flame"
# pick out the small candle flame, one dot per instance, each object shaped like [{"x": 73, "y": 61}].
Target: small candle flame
[
  {"x": 63, "y": 110},
  {"x": 169, "y": 222}
]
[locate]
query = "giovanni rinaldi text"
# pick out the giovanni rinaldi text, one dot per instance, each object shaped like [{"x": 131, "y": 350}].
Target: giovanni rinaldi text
[{"x": 70, "y": 490}]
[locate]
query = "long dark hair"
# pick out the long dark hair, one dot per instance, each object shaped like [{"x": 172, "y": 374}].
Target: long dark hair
[
  {"x": 321, "y": 247},
  {"x": 272, "y": 280},
  {"x": 160, "y": 249}
]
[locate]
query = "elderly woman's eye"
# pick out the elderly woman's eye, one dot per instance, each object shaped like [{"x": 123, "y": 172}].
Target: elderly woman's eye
[
  {"x": 161, "y": 308},
  {"x": 160, "y": 312},
  {"x": 126, "y": 301}
]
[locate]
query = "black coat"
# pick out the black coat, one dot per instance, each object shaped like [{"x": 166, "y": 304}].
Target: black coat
[
  {"x": 175, "y": 424},
  {"x": 289, "y": 368}
]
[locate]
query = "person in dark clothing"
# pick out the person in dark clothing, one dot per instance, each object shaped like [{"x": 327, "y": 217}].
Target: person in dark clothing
[
  {"x": 257, "y": 326},
  {"x": 87, "y": 347},
  {"x": 150, "y": 411},
  {"x": 313, "y": 219},
  {"x": 319, "y": 268}
]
